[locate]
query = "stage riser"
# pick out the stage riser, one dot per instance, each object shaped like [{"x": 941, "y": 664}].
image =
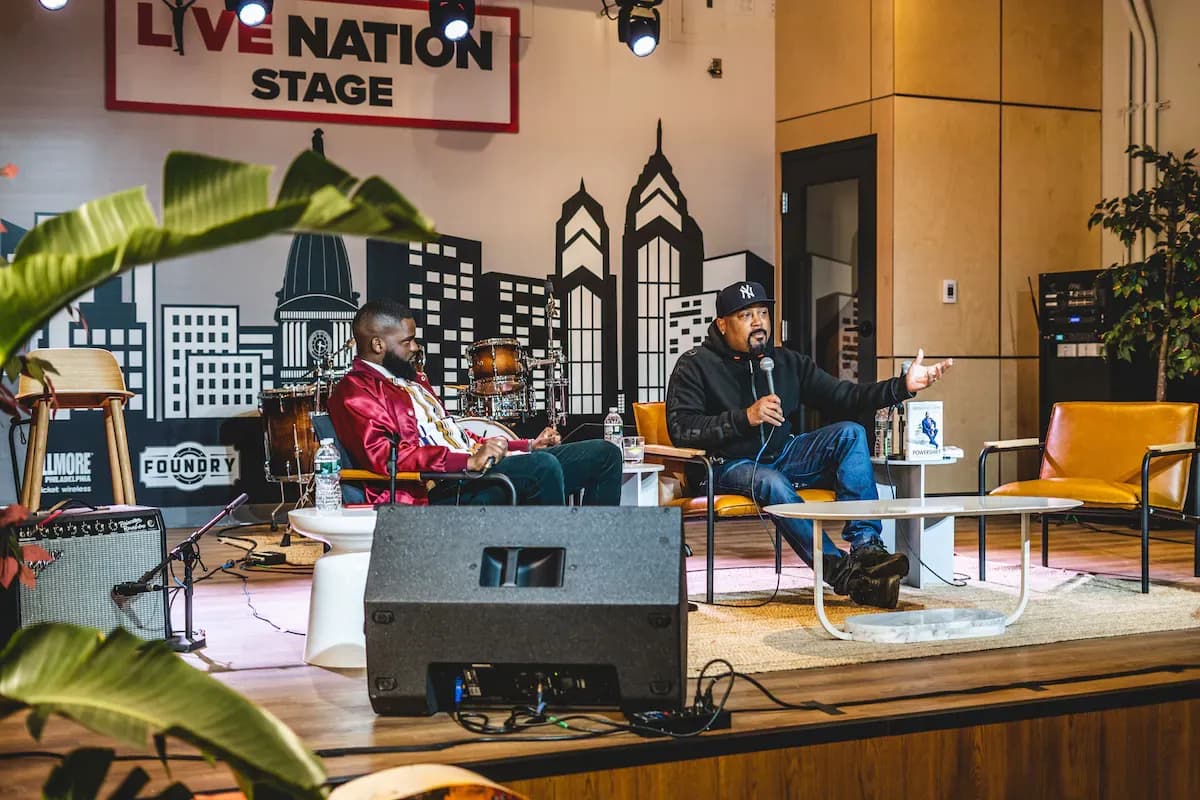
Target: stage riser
[{"x": 1146, "y": 752}]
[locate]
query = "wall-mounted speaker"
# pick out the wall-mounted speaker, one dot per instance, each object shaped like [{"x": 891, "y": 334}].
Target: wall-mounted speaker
[{"x": 490, "y": 606}]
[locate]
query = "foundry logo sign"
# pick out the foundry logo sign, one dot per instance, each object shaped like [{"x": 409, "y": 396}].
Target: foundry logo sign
[
  {"x": 188, "y": 466},
  {"x": 355, "y": 61}
]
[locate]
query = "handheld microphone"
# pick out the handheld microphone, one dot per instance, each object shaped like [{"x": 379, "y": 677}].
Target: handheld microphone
[
  {"x": 767, "y": 365},
  {"x": 491, "y": 462}
]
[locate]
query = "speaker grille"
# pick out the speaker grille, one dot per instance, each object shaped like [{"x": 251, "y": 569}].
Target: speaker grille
[{"x": 77, "y": 586}]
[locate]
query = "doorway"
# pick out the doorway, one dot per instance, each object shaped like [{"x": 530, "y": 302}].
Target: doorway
[{"x": 828, "y": 300}]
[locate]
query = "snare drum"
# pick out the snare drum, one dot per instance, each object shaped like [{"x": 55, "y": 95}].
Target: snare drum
[
  {"x": 288, "y": 438},
  {"x": 497, "y": 406},
  {"x": 496, "y": 367}
]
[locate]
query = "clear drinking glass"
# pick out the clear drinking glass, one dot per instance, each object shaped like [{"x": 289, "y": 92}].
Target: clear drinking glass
[{"x": 633, "y": 448}]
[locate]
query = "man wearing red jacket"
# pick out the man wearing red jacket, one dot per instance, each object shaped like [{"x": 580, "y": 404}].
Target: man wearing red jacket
[{"x": 383, "y": 396}]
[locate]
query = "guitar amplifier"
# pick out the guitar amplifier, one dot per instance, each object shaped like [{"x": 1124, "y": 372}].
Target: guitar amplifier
[{"x": 93, "y": 550}]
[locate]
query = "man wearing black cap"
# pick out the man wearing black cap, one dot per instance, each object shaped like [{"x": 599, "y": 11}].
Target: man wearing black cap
[{"x": 718, "y": 400}]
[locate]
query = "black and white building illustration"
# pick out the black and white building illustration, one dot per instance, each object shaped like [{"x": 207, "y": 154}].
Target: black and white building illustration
[
  {"x": 661, "y": 257},
  {"x": 587, "y": 291},
  {"x": 315, "y": 309},
  {"x": 206, "y": 374},
  {"x": 116, "y": 316},
  {"x": 439, "y": 281}
]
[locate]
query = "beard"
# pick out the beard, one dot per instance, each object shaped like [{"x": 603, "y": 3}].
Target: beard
[
  {"x": 400, "y": 367},
  {"x": 755, "y": 345}
]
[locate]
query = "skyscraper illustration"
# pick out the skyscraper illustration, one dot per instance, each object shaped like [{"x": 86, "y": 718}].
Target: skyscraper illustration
[{"x": 662, "y": 255}]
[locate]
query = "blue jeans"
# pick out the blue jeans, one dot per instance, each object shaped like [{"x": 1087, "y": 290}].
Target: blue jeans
[
  {"x": 546, "y": 477},
  {"x": 833, "y": 457}
]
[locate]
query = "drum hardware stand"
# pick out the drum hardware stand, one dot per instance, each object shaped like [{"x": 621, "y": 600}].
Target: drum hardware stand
[
  {"x": 187, "y": 552},
  {"x": 556, "y": 382}
]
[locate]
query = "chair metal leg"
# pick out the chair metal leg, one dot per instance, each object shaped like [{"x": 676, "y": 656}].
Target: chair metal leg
[
  {"x": 1145, "y": 546},
  {"x": 779, "y": 552},
  {"x": 982, "y": 520},
  {"x": 1196, "y": 512},
  {"x": 710, "y": 568},
  {"x": 1045, "y": 540}
]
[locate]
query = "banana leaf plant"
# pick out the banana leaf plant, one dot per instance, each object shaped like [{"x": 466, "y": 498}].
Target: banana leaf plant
[
  {"x": 208, "y": 203},
  {"x": 139, "y": 693}
]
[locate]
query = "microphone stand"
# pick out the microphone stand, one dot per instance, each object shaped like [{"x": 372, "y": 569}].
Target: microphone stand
[
  {"x": 187, "y": 552},
  {"x": 395, "y": 440}
]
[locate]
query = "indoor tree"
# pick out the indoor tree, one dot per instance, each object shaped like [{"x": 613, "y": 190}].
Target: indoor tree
[{"x": 1159, "y": 295}]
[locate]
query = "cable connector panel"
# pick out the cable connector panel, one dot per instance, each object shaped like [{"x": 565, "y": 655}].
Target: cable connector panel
[{"x": 688, "y": 722}]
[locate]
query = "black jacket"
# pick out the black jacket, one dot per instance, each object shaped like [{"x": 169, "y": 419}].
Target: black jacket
[{"x": 712, "y": 386}]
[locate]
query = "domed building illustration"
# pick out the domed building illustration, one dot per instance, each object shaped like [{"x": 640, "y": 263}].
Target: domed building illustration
[{"x": 316, "y": 307}]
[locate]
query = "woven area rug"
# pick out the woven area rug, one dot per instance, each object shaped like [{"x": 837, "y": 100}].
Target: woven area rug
[
  {"x": 785, "y": 634},
  {"x": 302, "y": 552}
]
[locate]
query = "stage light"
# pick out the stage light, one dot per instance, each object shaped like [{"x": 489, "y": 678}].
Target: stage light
[
  {"x": 53, "y": 5},
  {"x": 638, "y": 25},
  {"x": 453, "y": 19},
  {"x": 250, "y": 12}
]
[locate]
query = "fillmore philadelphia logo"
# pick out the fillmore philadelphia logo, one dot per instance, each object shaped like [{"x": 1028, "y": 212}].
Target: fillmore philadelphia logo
[{"x": 188, "y": 466}]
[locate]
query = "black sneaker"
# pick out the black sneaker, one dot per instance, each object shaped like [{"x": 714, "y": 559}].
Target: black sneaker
[
  {"x": 876, "y": 562},
  {"x": 878, "y": 592}
]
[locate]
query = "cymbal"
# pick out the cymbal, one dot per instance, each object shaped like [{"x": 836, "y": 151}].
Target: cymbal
[{"x": 460, "y": 387}]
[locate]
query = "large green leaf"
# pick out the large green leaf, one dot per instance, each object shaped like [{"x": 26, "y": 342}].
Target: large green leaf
[
  {"x": 208, "y": 203},
  {"x": 131, "y": 690}
]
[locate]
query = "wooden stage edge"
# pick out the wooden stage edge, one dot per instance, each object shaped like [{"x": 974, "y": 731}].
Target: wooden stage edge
[{"x": 1114, "y": 717}]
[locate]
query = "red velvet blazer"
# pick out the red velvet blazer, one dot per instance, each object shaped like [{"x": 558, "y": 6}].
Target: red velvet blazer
[{"x": 363, "y": 406}]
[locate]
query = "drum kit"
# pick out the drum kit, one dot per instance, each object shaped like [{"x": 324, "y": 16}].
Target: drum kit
[{"x": 501, "y": 388}]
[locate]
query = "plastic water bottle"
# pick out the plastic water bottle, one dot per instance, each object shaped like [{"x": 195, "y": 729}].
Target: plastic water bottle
[
  {"x": 614, "y": 427},
  {"x": 327, "y": 466}
]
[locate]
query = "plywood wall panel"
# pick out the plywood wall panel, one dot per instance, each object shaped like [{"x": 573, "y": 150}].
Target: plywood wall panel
[
  {"x": 1018, "y": 416},
  {"x": 822, "y": 55},
  {"x": 948, "y": 48},
  {"x": 1050, "y": 180},
  {"x": 946, "y": 198},
  {"x": 1052, "y": 52},
  {"x": 883, "y": 48},
  {"x": 883, "y": 126},
  {"x": 971, "y": 413}
]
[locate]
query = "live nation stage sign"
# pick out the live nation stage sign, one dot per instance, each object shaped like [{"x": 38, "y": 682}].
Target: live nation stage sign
[{"x": 369, "y": 62}]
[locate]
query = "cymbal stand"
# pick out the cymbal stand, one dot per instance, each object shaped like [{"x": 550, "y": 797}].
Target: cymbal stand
[{"x": 556, "y": 381}]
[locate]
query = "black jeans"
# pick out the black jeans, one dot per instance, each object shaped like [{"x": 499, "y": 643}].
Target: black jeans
[{"x": 546, "y": 477}]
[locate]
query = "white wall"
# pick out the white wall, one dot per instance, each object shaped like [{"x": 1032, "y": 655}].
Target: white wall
[
  {"x": 1178, "y": 26},
  {"x": 588, "y": 109}
]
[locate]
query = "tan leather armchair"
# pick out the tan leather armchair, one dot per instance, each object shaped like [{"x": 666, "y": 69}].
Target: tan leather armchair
[
  {"x": 701, "y": 501},
  {"x": 1123, "y": 460}
]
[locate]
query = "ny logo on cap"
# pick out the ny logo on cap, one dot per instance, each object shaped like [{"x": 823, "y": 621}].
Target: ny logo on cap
[{"x": 747, "y": 291}]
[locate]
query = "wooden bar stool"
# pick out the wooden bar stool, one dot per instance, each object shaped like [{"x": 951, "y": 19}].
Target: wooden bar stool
[{"x": 86, "y": 378}]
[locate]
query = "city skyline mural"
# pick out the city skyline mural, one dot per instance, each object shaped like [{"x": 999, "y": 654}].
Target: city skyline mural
[{"x": 199, "y": 371}]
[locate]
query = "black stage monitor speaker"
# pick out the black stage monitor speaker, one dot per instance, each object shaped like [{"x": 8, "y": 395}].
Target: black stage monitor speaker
[
  {"x": 93, "y": 551},
  {"x": 501, "y": 607}
]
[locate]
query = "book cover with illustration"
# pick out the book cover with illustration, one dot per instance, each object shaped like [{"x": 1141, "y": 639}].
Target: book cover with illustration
[{"x": 923, "y": 440}]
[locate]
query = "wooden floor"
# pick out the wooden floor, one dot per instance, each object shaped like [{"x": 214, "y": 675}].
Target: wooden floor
[{"x": 330, "y": 710}]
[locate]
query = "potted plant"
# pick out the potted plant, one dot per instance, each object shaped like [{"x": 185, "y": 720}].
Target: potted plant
[
  {"x": 117, "y": 685},
  {"x": 1159, "y": 295}
]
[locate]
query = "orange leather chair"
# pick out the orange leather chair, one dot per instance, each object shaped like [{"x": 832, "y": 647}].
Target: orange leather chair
[
  {"x": 651, "y": 421},
  {"x": 1121, "y": 459}
]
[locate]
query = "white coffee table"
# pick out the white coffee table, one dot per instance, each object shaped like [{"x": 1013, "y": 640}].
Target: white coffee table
[
  {"x": 639, "y": 484},
  {"x": 920, "y": 626},
  {"x": 335, "y": 609}
]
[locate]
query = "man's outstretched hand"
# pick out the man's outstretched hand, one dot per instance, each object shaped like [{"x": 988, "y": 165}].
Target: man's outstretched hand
[{"x": 921, "y": 376}]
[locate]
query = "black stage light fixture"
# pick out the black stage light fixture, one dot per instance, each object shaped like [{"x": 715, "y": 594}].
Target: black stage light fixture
[
  {"x": 53, "y": 5},
  {"x": 638, "y": 25},
  {"x": 452, "y": 19},
  {"x": 250, "y": 12}
]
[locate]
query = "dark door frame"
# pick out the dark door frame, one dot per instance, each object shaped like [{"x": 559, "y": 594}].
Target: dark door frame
[{"x": 837, "y": 161}]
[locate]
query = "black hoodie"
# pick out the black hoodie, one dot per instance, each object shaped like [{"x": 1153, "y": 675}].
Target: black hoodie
[{"x": 713, "y": 385}]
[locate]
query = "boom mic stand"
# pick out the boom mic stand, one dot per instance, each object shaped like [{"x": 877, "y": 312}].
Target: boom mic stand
[{"x": 187, "y": 552}]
